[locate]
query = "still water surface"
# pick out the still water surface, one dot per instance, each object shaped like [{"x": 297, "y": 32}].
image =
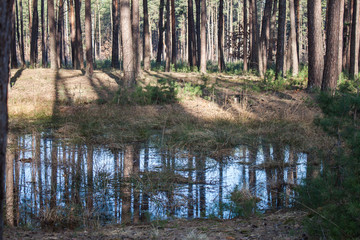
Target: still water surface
[{"x": 140, "y": 181}]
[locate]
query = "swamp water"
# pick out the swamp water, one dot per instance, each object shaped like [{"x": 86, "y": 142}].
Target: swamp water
[{"x": 53, "y": 183}]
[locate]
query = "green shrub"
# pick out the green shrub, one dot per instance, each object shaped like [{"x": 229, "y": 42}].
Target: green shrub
[
  {"x": 333, "y": 196},
  {"x": 242, "y": 203}
]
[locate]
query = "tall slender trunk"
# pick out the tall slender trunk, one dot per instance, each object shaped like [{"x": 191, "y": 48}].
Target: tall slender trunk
[
  {"x": 34, "y": 34},
  {"x": 341, "y": 35},
  {"x": 331, "y": 74},
  {"x": 198, "y": 41},
  {"x": 115, "y": 36},
  {"x": 173, "y": 32},
  {"x": 74, "y": 48},
  {"x": 90, "y": 178},
  {"x": 146, "y": 35},
  {"x": 264, "y": 39},
  {"x": 191, "y": 35},
  {"x": 255, "y": 36},
  {"x": 281, "y": 40},
  {"x": 315, "y": 44},
  {"x": 354, "y": 46},
  {"x": 167, "y": 37},
  {"x": 43, "y": 49},
  {"x": 161, "y": 30},
  {"x": 10, "y": 157},
  {"x": 53, "y": 54},
  {"x": 136, "y": 35},
  {"x": 59, "y": 35},
  {"x": 293, "y": 43},
  {"x": 221, "y": 61},
  {"x": 298, "y": 26},
  {"x": 88, "y": 39},
  {"x": 14, "y": 62},
  {"x": 245, "y": 51},
  {"x": 203, "y": 37},
  {"x": 79, "y": 44},
  {"x": 5, "y": 38},
  {"x": 21, "y": 40},
  {"x": 273, "y": 31},
  {"x": 127, "y": 46}
]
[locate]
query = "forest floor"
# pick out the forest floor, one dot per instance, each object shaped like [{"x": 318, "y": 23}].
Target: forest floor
[
  {"x": 211, "y": 112},
  {"x": 279, "y": 225}
]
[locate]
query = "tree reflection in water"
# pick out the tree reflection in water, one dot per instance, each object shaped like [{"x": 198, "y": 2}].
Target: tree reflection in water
[{"x": 51, "y": 181}]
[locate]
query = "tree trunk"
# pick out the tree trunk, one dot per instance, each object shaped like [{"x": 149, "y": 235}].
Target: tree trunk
[
  {"x": 59, "y": 35},
  {"x": 203, "y": 37},
  {"x": 331, "y": 74},
  {"x": 255, "y": 36},
  {"x": 34, "y": 34},
  {"x": 281, "y": 40},
  {"x": 6, "y": 10},
  {"x": 298, "y": 26},
  {"x": 21, "y": 40},
  {"x": 173, "y": 32},
  {"x": 43, "y": 49},
  {"x": 264, "y": 39},
  {"x": 167, "y": 37},
  {"x": 293, "y": 43},
  {"x": 146, "y": 35},
  {"x": 191, "y": 35},
  {"x": 341, "y": 35},
  {"x": 245, "y": 48},
  {"x": 221, "y": 62},
  {"x": 127, "y": 46},
  {"x": 14, "y": 62},
  {"x": 198, "y": 41},
  {"x": 74, "y": 48},
  {"x": 88, "y": 39},
  {"x": 79, "y": 45},
  {"x": 315, "y": 44},
  {"x": 53, "y": 54},
  {"x": 273, "y": 31},
  {"x": 354, "y": 46},
  {"x": 90, "y": 177},
  {"x": 136, "y": 36},
  {"x": 161, "y": 30},
  {"x": 115, "y": 36},
  {"x": 54, "y": 175}
]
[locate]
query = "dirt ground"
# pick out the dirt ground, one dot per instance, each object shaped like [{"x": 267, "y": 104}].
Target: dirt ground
[{"x": 279, "y": 225}]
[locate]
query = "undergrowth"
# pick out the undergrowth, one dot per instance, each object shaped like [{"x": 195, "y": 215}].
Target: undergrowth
[{"x": 333, "y": 196}]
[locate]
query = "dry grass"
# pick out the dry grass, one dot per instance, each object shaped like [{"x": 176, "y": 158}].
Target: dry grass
[{"x": 83, "y": 109}]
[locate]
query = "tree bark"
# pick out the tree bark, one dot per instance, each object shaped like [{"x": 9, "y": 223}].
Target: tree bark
[
  {"x": 173, "y": 32},
  {"x": 6, "y": 10},
  {"x": 255, "y": 36},
  {"x": 281, "y": 40},
  {"x": 146, "y": 40},
  {"x": 161, "y": 30},
  {"x": 22, "y": 51},
  {"x": 74, "y": 48},
  {"x": 43, "y": 48},
  {"x": 341, "y": 35},
  {"x": 191, "y": 35},
  {"x": 265, "y": 37},
  {"x": 354, "y": 46},
  {"x": 79, "y": 45},
  {"x": 88, "y": 39},
  {"x": 14, "y": 62},
  {"x": 10, "y": 156},
  {"x": 331, "y": 74},
  {"x": 34, "y": 34},
  {"x": 127, "y": 46},
  {"x": 315, "y": 44},
  {"x": 59, "y": 35},
  {"x": 115, "y": 36},
  {"x": 298, "y": 26},
  {"x": 198, "y": 41},
  {"x": 221, "y": 61},
  {"x": 273, "y": 31},
  {"x": 136, "y": 36},
  {"x": 53, "y": 54},
  {"x": 167, "y": 37},
  {"x": 293, "y": 43},
  {"x": 245, "y": 51},
  {"x": 203, "y": 37}
]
